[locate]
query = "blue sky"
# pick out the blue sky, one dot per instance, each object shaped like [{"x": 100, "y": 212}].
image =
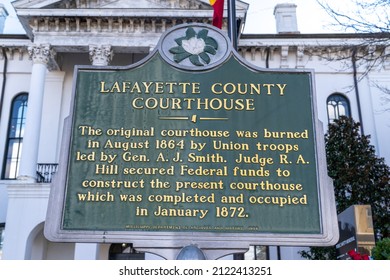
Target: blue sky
[{"x": 310, "y": 16}]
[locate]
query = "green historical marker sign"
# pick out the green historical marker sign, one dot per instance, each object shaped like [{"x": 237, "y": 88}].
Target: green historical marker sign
[{"x": 194, "y": 140}]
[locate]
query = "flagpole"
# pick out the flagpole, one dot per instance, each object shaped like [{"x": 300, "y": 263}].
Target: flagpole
[{"x": 232, "y": 22}]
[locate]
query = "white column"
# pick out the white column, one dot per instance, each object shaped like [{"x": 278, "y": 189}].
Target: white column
[
  {"x": 27, "y": 207},
  {"x": 86, "y": 251},
  {"x": 100, "y": 55},
  {"x": 40, "y": 55}
]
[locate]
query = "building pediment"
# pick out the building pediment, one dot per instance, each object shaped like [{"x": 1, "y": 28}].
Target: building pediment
[
  {"x": 71, "y": 25},
  {"x": 68, "y": 5},
  {"x": 54, "y": 17}
]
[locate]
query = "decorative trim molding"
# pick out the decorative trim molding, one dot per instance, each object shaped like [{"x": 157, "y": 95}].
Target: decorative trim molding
[
  {"x": 284, "y": 57},
  {"x": 100, "y": 55},
  {"x": 34, "y": 190},
  {"x": 40, "y": 53},
  {"x": 43, "y": 54}
]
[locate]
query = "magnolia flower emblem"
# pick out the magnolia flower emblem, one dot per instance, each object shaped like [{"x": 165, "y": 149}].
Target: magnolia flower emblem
[{"x": 194, "y": 46}]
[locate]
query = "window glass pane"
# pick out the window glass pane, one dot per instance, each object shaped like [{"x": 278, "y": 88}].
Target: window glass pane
[
  {"x": 15, "y": 137},
  {"x": 337, "y": 105},
  {"x": 331, "y": 112},
  {"x": 18, "y": 116},
  {"x": 342, "y": 110},
  {"x": 345, "y": 106},
  {"x": 14, "y": 150}
]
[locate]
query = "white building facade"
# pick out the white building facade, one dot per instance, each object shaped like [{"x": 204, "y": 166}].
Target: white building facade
[{"x": 37, "y": 78}]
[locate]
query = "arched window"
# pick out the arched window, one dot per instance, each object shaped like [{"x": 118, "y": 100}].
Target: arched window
[
  {"x": 338, "y": 105},
  {"x": 15, "y": 136}
]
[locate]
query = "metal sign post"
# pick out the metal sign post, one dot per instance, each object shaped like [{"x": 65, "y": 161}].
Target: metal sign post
[{"x": 232, "y": 22}]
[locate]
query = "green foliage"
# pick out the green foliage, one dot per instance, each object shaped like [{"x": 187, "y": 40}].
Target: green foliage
[
  {"x": 359, "y": 177},
  {"x": 319, "y": 253},
  {"x": 382, "y": 250}
]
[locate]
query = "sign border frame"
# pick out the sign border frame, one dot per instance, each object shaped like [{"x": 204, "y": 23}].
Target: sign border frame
[{"x": 149, "y": 239}]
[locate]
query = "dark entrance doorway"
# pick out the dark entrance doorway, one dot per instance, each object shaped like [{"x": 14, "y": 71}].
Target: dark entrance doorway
[{"x": 124, "y": 251}]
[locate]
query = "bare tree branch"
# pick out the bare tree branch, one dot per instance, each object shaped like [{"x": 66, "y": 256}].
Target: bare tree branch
[
  {"x": 370, "y": 16},
  {"x": 370, "y": 20}
]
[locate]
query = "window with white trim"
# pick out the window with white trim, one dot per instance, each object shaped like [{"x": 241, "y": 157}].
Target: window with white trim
[
  {"x": 15, "y": 136},
  {"x": 337, "y": 106}
]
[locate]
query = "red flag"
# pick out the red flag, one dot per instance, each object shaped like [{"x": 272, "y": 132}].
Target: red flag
[{"x": 218, "y": 12}]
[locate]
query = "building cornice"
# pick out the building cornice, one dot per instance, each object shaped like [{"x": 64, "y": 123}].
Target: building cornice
[
  {"x": 161, "y": 13},
  {"x": 339, "y": 36},
  {"x": 194, "y": 4},
  {"x": 315, "y": 40},
  {"x": 13, "y": 40}
]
